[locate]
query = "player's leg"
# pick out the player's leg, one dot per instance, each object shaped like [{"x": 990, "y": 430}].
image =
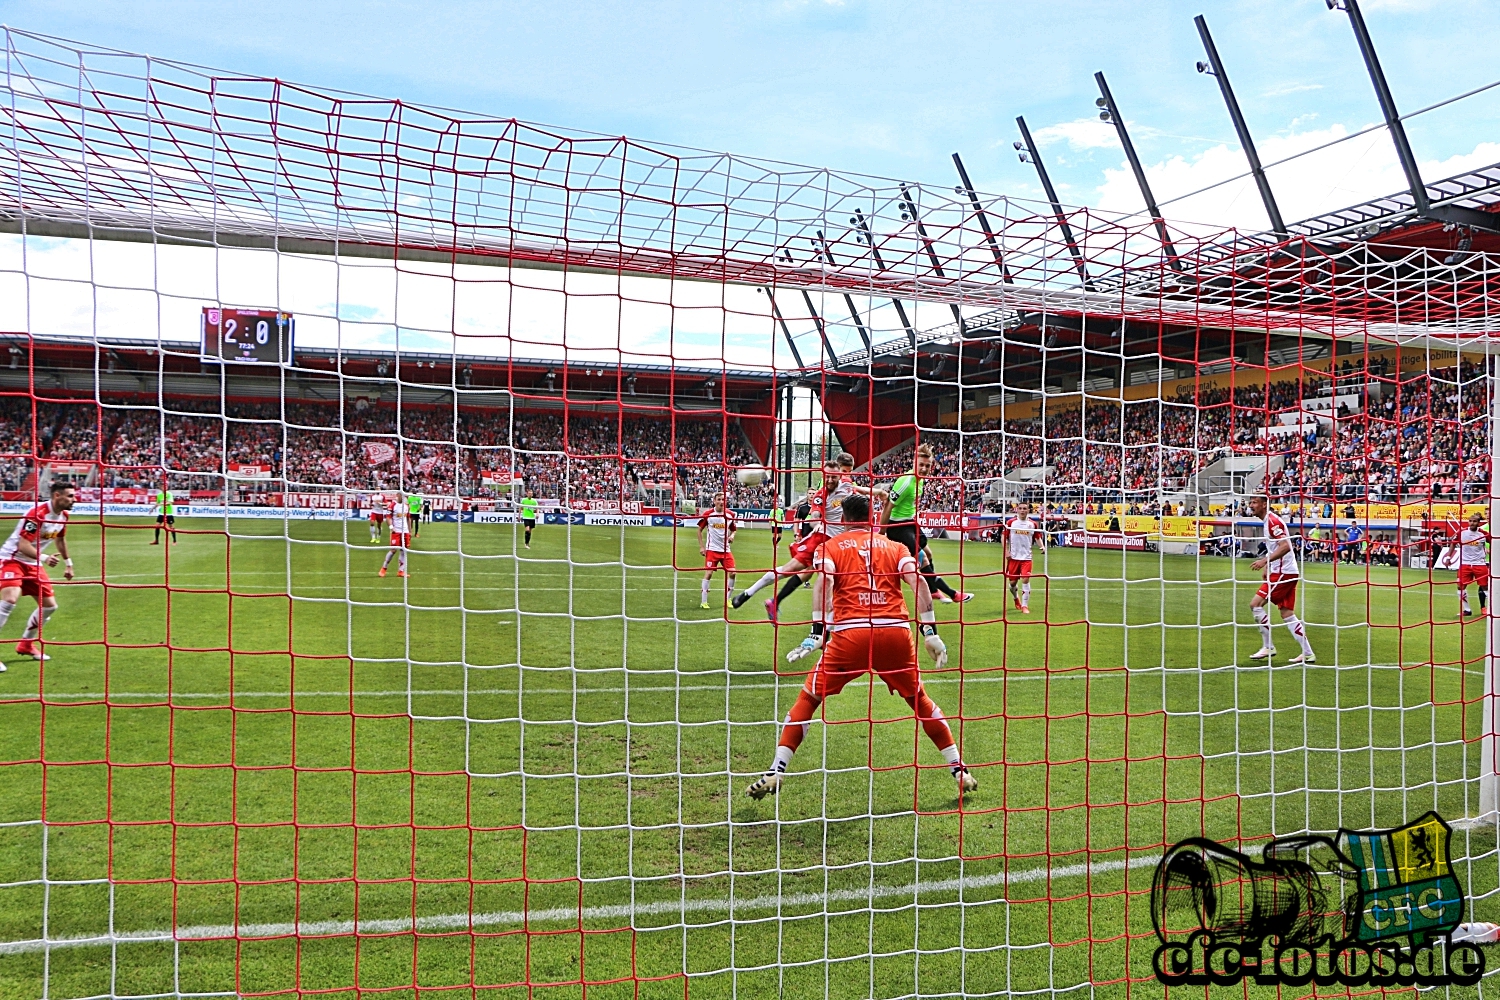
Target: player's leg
[
  {"x": 1288, "y": 608},
  {"x": 401, "y": 565},
  {"x": 156, "y": 532},
  {"x": 1263, "y": 622},
  {"x": 826, "y": 680},
  {"x": 529, "y": 526},
  {"x": 374, "y": 530},
  {"x": 894, "y": 647},
  {"x": 46, "y": 606},
  {"x": 172, "y": 529},
  {"x": 387, "y": 561},
  {"x": 1463, "y": 597},
  {"x": 792, "y": 566},
  {"x": 708, "y": 575},
  {"x": 9, "y": 596},
  {"x": 1026, "y": 590}
]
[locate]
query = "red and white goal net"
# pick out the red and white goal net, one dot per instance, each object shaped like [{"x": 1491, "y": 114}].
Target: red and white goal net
[{"x": 257, "y": 749}]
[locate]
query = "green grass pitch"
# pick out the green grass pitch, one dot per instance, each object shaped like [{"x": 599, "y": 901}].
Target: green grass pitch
[{"x": 518, "y": 738}]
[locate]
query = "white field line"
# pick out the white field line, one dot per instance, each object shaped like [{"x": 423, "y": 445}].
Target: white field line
[
  {"x": 988, "y": 677},
  {"x": 618, "y": 912}
]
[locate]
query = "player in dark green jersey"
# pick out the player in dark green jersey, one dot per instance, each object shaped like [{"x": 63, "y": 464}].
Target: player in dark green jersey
[
  {"x": 900, "y": 517},
  {"x": 528, "y": 516}
]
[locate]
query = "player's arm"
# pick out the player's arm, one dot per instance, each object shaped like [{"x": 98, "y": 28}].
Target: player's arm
[
  {"x": 926, "y": 617},
  {"x": 702, "y": 528},
  {"x": 1281, "y": 548},
  {"x": 62, "y": 549}
]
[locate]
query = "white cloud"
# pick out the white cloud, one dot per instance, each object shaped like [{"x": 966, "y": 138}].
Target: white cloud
[
  {"x": 1291, "y": 88},
  {"x": 1352, "y": 171},
  {"x": 1081, "y": 133}
]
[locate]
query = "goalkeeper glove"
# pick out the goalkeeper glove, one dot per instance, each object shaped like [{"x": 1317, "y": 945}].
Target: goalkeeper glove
[
  {"x": 809, "y": 645},
  {"x": 936, "y": 648}
]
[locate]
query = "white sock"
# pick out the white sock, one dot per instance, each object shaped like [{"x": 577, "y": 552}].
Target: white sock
[
  {"x": 1263, "y": 619},
  {"x": 1296, "y": 628},
  {"x": 704, "y": 591},
  {"x": 403, "y": 560},
  {"x": 6, "y": 607},
  {"x": 36, "y": 621},
  {"x": 950, "y": 754},
  {"x": 1026, "y": 594},
  {"x": 783, "y": 757},
  {"x": 764, "y": 581},
  {"x": 1463, "y": 598}
]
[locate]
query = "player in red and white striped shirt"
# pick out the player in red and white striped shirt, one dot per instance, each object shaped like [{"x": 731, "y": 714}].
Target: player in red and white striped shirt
[
  {"x": 23, "y": 567},
  {"x": 1280, "y": 588},
  {"x": 1473, "y": 563},
  {"x": 719, "y": 526},
  {"x": 400, "y": 536}
]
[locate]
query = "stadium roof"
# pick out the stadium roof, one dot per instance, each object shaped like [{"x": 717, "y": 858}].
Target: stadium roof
[{"x": 109, "y": 145}]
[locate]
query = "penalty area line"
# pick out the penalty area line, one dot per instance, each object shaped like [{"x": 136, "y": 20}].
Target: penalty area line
[{"x": 446, "y": 922}]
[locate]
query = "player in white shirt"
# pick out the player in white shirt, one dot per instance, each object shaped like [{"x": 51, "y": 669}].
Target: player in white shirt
[
  {"x": 715, "y": 536},
  {"x": 23, "y": 567},
  {"x": 1021, "y": 533},
  {"x": 375, "y": 504},
  {"x": 1280, "y": 586},
  {"x": 1473, "y": 563},
  {"x": 400, "y": 537}
]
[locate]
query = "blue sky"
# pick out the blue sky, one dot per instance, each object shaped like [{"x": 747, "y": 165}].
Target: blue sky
[{"x": 880, "y": 87}]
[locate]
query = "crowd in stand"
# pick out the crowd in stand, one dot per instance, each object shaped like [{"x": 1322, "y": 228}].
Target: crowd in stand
[
  {"x": 1422, "y": 436},
  {"x": 1361, "y": 433},
  {"x": 362, "y": 446}
]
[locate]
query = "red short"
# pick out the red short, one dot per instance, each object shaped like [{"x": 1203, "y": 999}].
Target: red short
[
  {"x": 1479, "y": 575},
  {"x": 1282, "y": 590},
  {"x": 885, "y": 650},
  {"x": 400, "y": 539},
  {"x": 376, "y": 518},
  {"x": 31, "y": 578},
  {"x": 713, "y": 560},
  {"x": 1018, "y": 569},
  {"x": 806, "y": 549}
]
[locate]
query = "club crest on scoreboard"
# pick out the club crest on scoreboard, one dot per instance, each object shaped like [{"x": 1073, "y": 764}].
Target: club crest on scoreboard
[{"x": 1360, "y": 907}]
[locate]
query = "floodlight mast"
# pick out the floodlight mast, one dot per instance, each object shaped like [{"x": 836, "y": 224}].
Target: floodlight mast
[
  {"x": 821, "y": 243},
  {"x": 776, "y": 311},
  {"x": 863, "y": 224},
  {"x": 909, "y": 209},
  {"x": 1420, "y": 202},
  {"x": 1216, "y": 67},
  {"x": 984, "y": 220},
  {"x": 1057, "y": 209},
  {"x": 1112, "y": 114}
]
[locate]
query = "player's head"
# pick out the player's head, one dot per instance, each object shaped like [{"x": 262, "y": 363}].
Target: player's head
[
  {"x": 926, "y": 458},
  {"x": 1475, "y": 520},
  {"x": 856, "y": 509},
  {"x": 1258, "y": 505},
  {"x": 1023, "y": 509},
  {"x": 719, "y": 503},
  {"x": 63, "y": 494},
  {"x": 836, "y": 468}
]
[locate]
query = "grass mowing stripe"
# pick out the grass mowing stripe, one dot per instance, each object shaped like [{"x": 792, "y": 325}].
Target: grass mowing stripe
[{"x": 464, "y": 921}]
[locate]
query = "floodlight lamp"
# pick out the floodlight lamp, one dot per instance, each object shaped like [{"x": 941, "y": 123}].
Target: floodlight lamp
[
  {"x": 1018, "y": 144},
  {"x": 1100, "y": 102},
  {"x": 1023, "y": 157},
  {"x": 1204, "y": 67},
  {"x": 1104, "y": 116}
]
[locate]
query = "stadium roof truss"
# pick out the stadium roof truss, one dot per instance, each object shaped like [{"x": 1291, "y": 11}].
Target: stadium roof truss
[{"x": 108, "y": 145}]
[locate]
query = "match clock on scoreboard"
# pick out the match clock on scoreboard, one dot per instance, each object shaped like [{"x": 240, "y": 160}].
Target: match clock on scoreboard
[{"x": 250, "y": 336}]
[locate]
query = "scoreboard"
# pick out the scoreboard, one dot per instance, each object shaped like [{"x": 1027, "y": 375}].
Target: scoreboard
[{"x": 251, "y": 336}]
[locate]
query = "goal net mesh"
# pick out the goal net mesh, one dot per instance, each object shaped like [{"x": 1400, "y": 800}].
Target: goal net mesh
[{"x": 273, "y": 754}]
